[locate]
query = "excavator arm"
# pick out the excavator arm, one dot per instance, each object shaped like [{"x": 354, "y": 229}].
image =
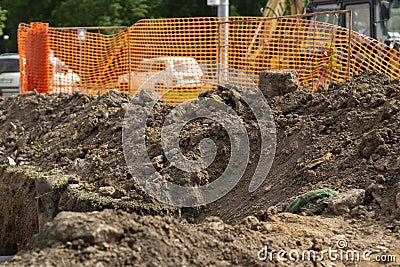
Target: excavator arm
[
  {"x": 276, "y": 8},
  {"x": 273, "y": 8}
]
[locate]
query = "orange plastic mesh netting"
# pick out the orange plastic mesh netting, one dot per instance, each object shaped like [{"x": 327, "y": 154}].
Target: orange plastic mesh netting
[{"x": 193, "y": 54}]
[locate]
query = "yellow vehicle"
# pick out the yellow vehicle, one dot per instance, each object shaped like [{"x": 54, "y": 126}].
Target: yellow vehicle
[
  {"x": 379, "y": 19},
  {"x": 273, "y": 8},
  {"x": 276, "y": 8}
]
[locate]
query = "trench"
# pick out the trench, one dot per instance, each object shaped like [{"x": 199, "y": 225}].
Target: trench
[{"x": 18, "y": 212}]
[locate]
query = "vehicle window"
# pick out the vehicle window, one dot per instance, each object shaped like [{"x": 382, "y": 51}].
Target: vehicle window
[
  {"x": 361, "y": 18},
  {"x": 9, "y": 65},
  {"x": 394, "y": 21},
  {"x": 186, "y": 66},
  {"x": 144, "y": 67},
  {"x": 151, "y": 66},
  {"x": 328, "y": 18}
]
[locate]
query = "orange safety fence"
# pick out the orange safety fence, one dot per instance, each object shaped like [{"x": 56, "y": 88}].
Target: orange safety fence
[{"x": 180, "y": 57}]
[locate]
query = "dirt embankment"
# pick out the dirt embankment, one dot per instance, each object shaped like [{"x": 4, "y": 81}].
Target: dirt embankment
[
  {"x": 345, "y": 138},
  {"x": 354, "y": 125}
]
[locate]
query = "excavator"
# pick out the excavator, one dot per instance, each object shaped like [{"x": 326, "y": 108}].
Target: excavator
[
  {"x": 379, "y": 19},
  {"x": 277, "y": 8},
  {"x": 273, "y": 8}
]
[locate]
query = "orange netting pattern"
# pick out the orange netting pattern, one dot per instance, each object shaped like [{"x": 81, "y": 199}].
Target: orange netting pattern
[{"x": 183, "y": 56}]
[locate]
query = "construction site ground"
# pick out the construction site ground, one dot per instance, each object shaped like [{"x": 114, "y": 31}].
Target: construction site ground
[{"x": 61, "y": 155}]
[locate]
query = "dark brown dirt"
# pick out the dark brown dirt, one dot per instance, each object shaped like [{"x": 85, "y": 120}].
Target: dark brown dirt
[
  {"x": 116, "y": 238},
  {"x": 357, "y": 122},
  {"x": 354, "y": 126},
  {"x": 18, "y": 211}
]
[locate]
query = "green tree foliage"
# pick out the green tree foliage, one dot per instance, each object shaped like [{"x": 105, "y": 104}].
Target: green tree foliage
[
  {"x": 100, "y": 12},
  {"x": 25, "y": 11},
  {"x": 66, "y": 13},
  {"x": 3, "y": 18},
  {"x": 248, "y": 8},
  {"x": 198, "y": 8}
]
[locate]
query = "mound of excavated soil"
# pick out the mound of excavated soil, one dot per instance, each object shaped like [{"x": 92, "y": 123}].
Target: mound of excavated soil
[
  {"x": 74, "y": 134},
  {"x": 116, "y": 238},
  {"x": 345, "y": 138}
]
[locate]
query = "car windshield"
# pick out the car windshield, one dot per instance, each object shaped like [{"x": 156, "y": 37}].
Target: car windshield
[
  {"x": 187, "y": 67},
  {"x": 151, "y": 66},
  {"x": 9, "y": 65}
]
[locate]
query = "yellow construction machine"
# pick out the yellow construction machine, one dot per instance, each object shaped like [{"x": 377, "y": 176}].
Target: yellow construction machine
[
  {"x": 277, "y": 8},
  {"x": 379, "y": 19}
]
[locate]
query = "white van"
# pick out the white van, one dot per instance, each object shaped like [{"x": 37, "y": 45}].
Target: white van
[
  {"x": 9, "y": 74},
  {"x": 163, "y": 73},
  {"x": 63, "y": 80}
]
